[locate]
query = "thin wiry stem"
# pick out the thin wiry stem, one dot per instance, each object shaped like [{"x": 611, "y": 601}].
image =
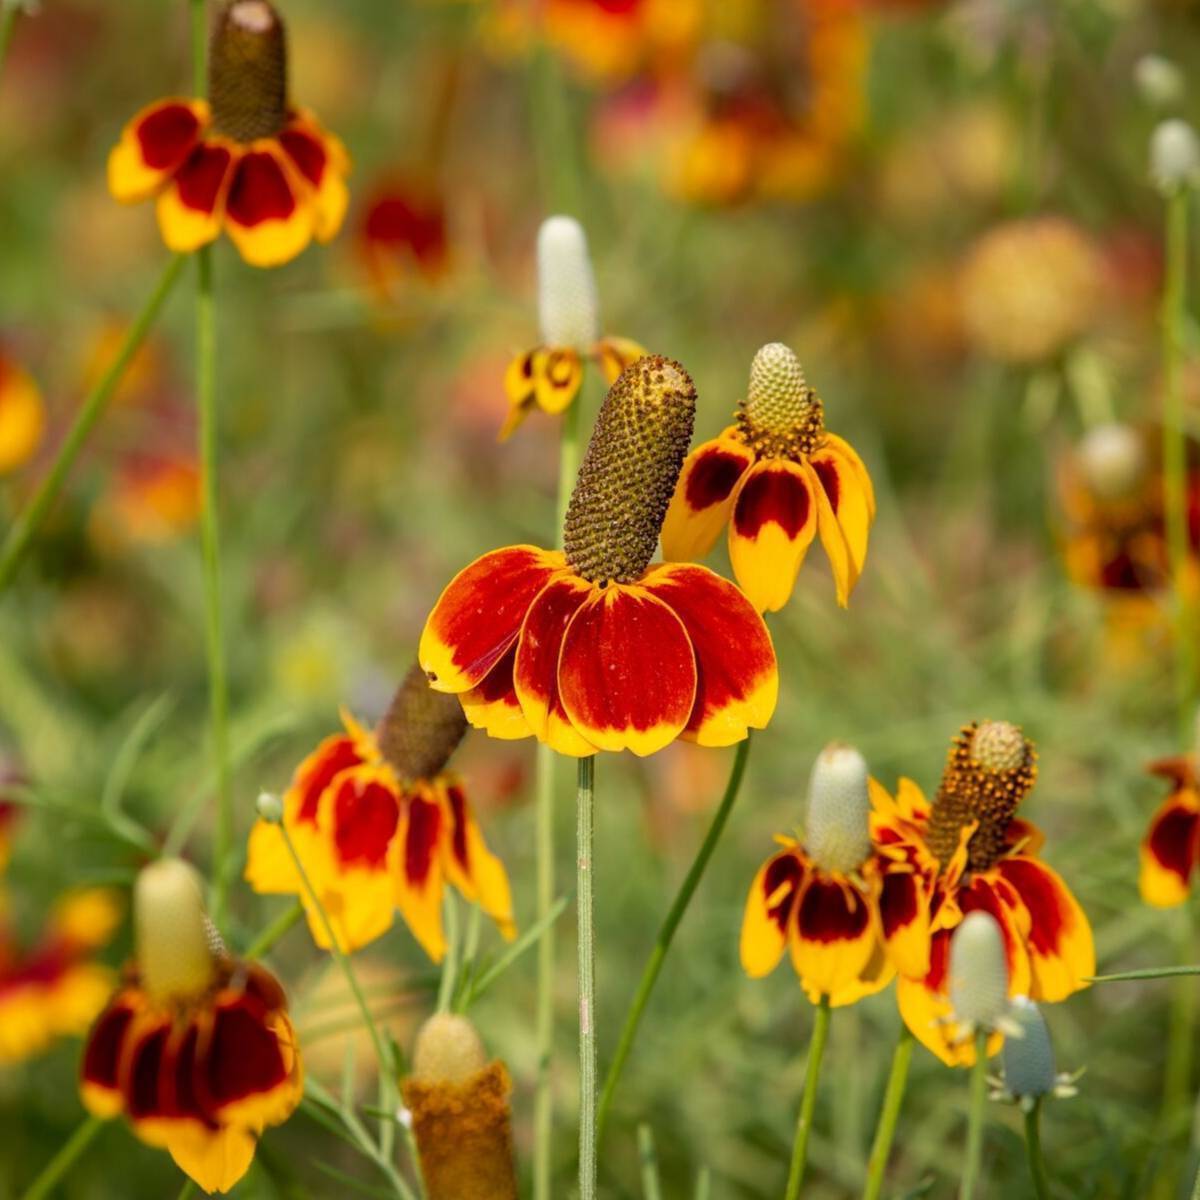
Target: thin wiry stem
[
  {"x": 585, "y": 845},
  {"x": 808, "y": 1102},
  {"x": 893, "y": 1098},
  {"x": 450, "y": 961},
  {"x": 273, "y": 932},
  {"x": 85, "y": 1133},
  {"x": 970, "y": 1176},
  {"x": 1033, "y": 1144}
]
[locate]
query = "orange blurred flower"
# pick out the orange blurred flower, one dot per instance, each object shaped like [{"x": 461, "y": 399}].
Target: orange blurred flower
[{"x": 22, "y": 416}]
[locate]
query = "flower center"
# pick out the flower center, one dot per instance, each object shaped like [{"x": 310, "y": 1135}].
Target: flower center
[
  {"x": 247, "y": 71},
  {"x": 174, "y": 939},
  {"x": 629, "y": 472},
  {"x": 420, "y": 729},
  {"x": 990, "y": 769},
  {"x": 781, "y": 416}
]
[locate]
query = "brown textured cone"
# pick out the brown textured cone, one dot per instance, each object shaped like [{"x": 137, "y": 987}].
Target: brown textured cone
[
  {"x": 464, "y": 1136},
  {"x": 629, "y": 471},
  {"x": 421, "y": 728},
  {"x": 247, "y": 71},
  {"x": 970, "y": 792}
]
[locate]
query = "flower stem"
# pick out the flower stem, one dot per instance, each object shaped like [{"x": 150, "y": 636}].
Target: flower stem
[
  {"x": 29, "y": 521},
  {"x": 8, "y": 18},
  {"x": 450, "y": 961},
  {"x": 1033, "y": 1144},
  {"x": 64, "y": 1160},
  {"x": 808, "y": 1102},
  {"x": 893, "y": 1097},
  {"x": 666, "y": 934},
  {"x": 584, "y": 839},
  {"x": 975, "y": 1118},
  {"x": 273, "y": 932}
]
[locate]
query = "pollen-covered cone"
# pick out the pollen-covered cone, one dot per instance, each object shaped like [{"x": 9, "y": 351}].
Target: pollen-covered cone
[{"x": 461, "y": 1114}]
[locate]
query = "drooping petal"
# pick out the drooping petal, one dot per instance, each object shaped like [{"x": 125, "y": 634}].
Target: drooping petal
[
  {"x": 993, "y": 894},
  {"x": 904, "y": 915},
  {"x": 737, "y": 677},
  {"x": 493, "y": 705},
  {"x": 418, "y": 870},
  {"x": 769, "y": 908},
  {"x": 614, "y": 354},
  {"x": 267, "y": 214},
  {"x": 627, "y": 673},
  {"x": 99, "y": 1083},
  {"x": 841, "y": 446},
  {"x": 833, "y": 935},
  {"x": 215, "y": 1159},
  {"x": 148, "y": 1055},
  {"x": 878, "y": 972},
  {"x": 557, "y": 375},
  {"x": 478, "y": 615},
  {"x": 774, "y": 521},
  {"x": 153, "y": 146},
  {"x": 703, "y": 497},
  {"x": 470, "y": 865},
  {"x": 844, "y": 490},
  {"x": 535, "y": 669},
  {"x": 321, "y": 160},
  {"x": 833, "y": 537},
  {"x": 520, "y": 390},
  {"x": 1170, "y": 850},
  {"x": 190, "y": 206}
]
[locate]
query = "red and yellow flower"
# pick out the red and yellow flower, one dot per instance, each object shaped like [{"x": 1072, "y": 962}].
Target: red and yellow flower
[
  {"x": 245, "y": 160},
  {"x": 404, "y": 227},
  {"x": 1171, "y": 848},
  {"x": 819, "y": 897},
  {"x": 777, "y": 478},
  {"x": 22, "y": 416},
  {"x": 152, "y": 499},
  {"x": 378, "y": 824},
  {"x": 592, "y": 647},
  {"x": 969, "y": 851},
  {"x": 56, "y": 989},
  {"x": 195, "y": 1049}
]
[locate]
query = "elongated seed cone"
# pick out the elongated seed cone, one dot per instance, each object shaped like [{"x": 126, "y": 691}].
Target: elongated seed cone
[
  {"x": 567, "y": 306},
  {"x": 1029, "y": 1060},
  {"x": 421, "y": 728},
  {"x": 781, "y": 415},
  {"x": 461, "y": 1114},
  {"x": 247, "y": 71},
  {"x": 836, "y": 834},
  {"x": 174, "y": 946},
  {"x": 629, "y": 471},
  {"x": 978, "y": 971}
]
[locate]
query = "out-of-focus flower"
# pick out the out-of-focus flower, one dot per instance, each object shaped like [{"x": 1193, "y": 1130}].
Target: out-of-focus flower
[
  {"x": 151, "y": 499},
  {"x": 550, "y": 374},
  {"x": 55, "y": 989},
  {"x": 1028, "y": 1060},
  {"x": 379, "y": 824},
  {"x": 968, "y": 851},
  {"x": 1029, "y": 288},
  {"x": 1171, "y": 848},
  {"x": 461, "y": 1114},
  {"x": 1160, "y": 82},
  {"x": 22, "y": 415},
  {"x": 593, "y": 648},
  {"x": 777, "y": 478},
  {"x": 610, "y": 39},
  {"x": 1174, "y": 156},
  {"x": 142, "y": 380},
  {"x": 404, "y": 229},
  {"x": 244, "y": 160},
  {"x": 819, "y": 896},
  {"x": 195, "y": 1048}
]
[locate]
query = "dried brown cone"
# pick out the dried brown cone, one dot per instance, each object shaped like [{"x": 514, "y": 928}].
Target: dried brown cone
[
  {"x": 629, "y": 471},
  {"x": 247, "y": 71},
  {"x": 421, "y": 728},
  {"x": 990, "y": 768}
]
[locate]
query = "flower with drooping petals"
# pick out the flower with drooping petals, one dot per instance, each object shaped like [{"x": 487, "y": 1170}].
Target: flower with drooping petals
[
  {"x": 593, "y": 647},
  {"x": 22, "y": 416},
  {"x": 1171, "y": 847},
  {"x": 404, "y": 227},
  {"x": 777, "y": 477},
  {"x": 244, "y": 160}
]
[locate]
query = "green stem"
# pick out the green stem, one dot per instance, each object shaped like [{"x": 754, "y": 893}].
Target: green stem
[
  {"x": 450, "y": 961},
  {"x": 975, "y": 1118},
  {"x": 651, "y": 1185},
  {"x": 29, "y": 521},
  {"x": 585, "y": 843},
  {"x": 8, "y": 19},
  {"x": 1033, "y": 1144},
  {"x": 273, "y": 932},
  {"x": 666, "y": 933},
  {"x": 64, "y": 1160},
  {"x": 893, "y": 1097},
  {"x": 808, "y": 1102}
]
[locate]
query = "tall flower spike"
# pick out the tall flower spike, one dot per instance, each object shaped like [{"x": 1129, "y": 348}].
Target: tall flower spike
[
  {"x": 836, "y": 834},
  {"x": 174, "y": 948},
  {"x": 567, "y": 306},
  {"x": 248, "y": 71},
  {"x": 978, "y": 974}
]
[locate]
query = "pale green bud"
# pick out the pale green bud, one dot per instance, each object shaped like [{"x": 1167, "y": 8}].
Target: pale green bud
[
  {"x": 837, "y": 834},
  {"x": 978, "y": 972},
  {"x": 567, "y": 306},
  {"x": 172, "y": 932}
]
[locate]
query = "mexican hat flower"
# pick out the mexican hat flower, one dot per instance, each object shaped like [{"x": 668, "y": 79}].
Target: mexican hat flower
[
  {"x": 777, "y": 478},
  {"x": 549, "y": 376},
  {"x": 56, "y": 988},
  {"x": 380, "y": 824},
  {"x": 195, "y": 1048},
  {"x": 22, "y": 416},
  {"x": 244, "y": 160},
  {"x": 404, "y": 229},
  {"x": 1171, "y": 848},
  {"x": 819, "y": 897},
  {"x": 592, "y": 647},
  {"x": 969, "y": 851}
]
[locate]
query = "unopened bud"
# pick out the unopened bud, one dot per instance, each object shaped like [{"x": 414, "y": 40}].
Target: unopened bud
[
  {"x": 448, "y": 1050},
  {"x": 269, "y": 807},
  {"x": 1159, "y": 80},
  {"x": 174, "y": 955},
  {"x": 837, "y": 833},
  {"x": 1029, "y": 1059},
  {"x": 1113, "y": 458},
  {"x": 978, "y": 972},
  {"x": 998, "y": 746},
  {"x": 781, "y": 414},
  {"x": 1174, "y": 156},
  {"x": 567, "y": 307}
]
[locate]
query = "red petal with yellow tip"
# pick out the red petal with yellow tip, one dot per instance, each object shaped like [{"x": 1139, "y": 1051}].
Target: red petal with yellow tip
[
  {"x": 737, "y": 677},
  {"x": 993, "y": 895},
  {"x": 418, "y": 877},
  {"x": 627, "y": 675},
  {"x": 153, "y": 146},
  {"x": 471, "y": 866},
  {"x": 769, "y": 908},
  {"x": 843, "y": 448},
  {"x": 493, "y": 706},
  {"x": 614, "y": 354},
  {"x": 774, "y": 522},
  {"x": 703, "y": 497},
  {"x": 268, "y": 217},
  {"x": 843, "y": 488},
  {"x": 479, "y": 614},
  {"x": 321, "y": 161},
  {"x": 557, "y": 375},
  {"x": 904, "y": 914},
  {"x": 841, "y": 555},
  {"x": 190, "y": 206},
  {"x": 1170, "y": 850},
  {"x": 521, "y": 391},
  {"x": 833, "y": 935},
  {"x": 102, "y": 1054},
  {"x": 364, "y": 812}
]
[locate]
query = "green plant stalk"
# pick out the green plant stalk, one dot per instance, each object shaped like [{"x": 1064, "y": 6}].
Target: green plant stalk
[
  {"x": 1033, "y": 1145},
  {"x": 808, "y": 1102},
  {"x": 970, "y": 1176},
  {"x": 585, "y": 845},
  {"x": 8, "y": 19},
  {"x": 648, "y": 1156},
  {"x": 893, "y": 1098},
  {"x": 29, "y": 520},
  {"x": 273, "y": 932},
  {"x": 666, "y": 934},
  {"x": 85, "y": 1133},
  {"x": 450, "y": 960}
]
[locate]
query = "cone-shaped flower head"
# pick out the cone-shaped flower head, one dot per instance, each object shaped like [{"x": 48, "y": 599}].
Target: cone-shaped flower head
[
  {"x": 247, "y": 71},
  {"x": 836, "y": 834},
  {"x": 1174, "y": 156},
  {"x": 449, "y": 1050},
  {"x": 629, "y": 472},
  {"x": 420, "y": 729},
  {"x": 567, "y": 306},
  {"x": 978, "y": 972},
  {"x": 174, "y": 947},
  {"x": 1029, "y": 1059},
  {"x": 1113, "y": 457},
  {"x": 781, "y": 416}
]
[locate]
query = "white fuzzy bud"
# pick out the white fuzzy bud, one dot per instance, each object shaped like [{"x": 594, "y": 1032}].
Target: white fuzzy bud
[
  {"x": 1159, "y": 80},
  {"x": 837, "y": 833},
  {"x": 174, "y": 950},
  {"x": 1113, "y": 458},
  {"x": 978, "y": 972},
  {"x": 567, "y": 307},
  {"x": 270, "y": 807},
  {"x": 1028, "y": 1059},
  {"x": 1174, "y": 156}
]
